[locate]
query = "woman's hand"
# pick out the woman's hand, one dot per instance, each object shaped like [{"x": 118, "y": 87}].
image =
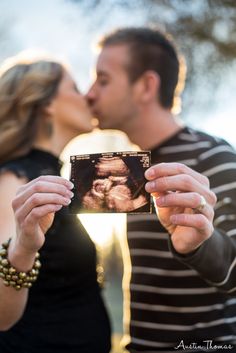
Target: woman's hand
[
  {"x": 34, "y": 207},
  {"x": 184, "y": 203}
]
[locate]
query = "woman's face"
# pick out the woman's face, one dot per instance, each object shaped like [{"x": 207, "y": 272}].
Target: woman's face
[{"x": 70, "y": 110}]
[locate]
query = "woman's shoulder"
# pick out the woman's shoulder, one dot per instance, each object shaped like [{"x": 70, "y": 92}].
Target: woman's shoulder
[
  {"x": 9, "y": 183},
  {"x": 19, "y": 167},
  {"x": 32, "y": 165}
]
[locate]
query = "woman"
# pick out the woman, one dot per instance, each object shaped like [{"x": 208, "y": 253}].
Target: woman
[{"x": 56, "y": 307}]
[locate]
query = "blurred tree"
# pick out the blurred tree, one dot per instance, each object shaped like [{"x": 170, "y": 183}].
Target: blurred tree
[
  {"x": 210, "y": 22},
  {"x": 202, "y": 21},
  {"x": 205, "y": 31}
]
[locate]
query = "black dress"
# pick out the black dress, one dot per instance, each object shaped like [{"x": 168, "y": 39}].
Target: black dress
[{"x": 65, "y": 312}]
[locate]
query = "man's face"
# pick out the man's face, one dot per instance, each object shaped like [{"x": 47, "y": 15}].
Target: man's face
[{"x": 112, "y": 97}]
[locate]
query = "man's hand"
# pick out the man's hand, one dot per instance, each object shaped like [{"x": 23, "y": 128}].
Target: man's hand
[{"x": 184, "y": 204}]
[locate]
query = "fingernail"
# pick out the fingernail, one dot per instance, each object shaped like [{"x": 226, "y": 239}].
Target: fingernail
[
  {"x": 174, "y": 219},
  {"x": 67, "y": 201},
  {"x": 160, "y": 201},
  {"x": 71, "y": 185},
  {"x": 150, "y": 186},
  {"x": 150, "y": 173},
  {"x": 70, "y": 194}
]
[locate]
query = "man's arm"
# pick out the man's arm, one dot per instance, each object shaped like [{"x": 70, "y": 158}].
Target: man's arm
[{"x": 194, "y": 237}]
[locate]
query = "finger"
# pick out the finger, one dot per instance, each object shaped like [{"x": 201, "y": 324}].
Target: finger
[
  {"x": 41, "y": 186},
  {"x": 40, "y": 199},
  {"x": 183, "y": 183},
  {"x": 38, "y": 213},
  {"x": 47, "y": 179},
  {"x": 52, "y": 179},
  {"x": 168, "y": 169},
  {"x": 197, "y": 221},
  {"x": 184, "y": 200}
]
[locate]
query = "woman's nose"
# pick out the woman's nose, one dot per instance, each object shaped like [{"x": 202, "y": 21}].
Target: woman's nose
[
  {"x": 89, "y": 100},
  {"x": 90, "y": 97}
]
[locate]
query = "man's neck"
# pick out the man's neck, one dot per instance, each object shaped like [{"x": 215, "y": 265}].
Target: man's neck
[{"x": 154, "y": 127}]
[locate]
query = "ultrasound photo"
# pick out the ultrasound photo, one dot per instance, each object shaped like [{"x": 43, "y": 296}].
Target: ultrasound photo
[{"x": 110, "y": 182}]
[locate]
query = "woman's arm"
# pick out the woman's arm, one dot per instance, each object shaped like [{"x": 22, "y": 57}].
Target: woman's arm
[
  {"x": 12, "y": 302},
  {"x": 27, "y": 212}
]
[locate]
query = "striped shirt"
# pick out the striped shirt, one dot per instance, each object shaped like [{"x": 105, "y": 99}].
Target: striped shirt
[{"x": 185, "y": 301}]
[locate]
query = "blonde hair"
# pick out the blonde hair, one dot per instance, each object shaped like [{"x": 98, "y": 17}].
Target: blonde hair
[{"x": 26, "y": 88}]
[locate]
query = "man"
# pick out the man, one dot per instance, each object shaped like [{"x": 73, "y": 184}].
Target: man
[{"x": 183, "y": 275}]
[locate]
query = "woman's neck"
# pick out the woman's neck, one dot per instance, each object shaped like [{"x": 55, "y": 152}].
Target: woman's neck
[
  {"x": 55, "y": 143},
  {"x": 46, "y": 147}
]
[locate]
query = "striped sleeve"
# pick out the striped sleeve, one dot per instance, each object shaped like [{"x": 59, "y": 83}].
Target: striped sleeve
[{"x": 215, "y": 259}]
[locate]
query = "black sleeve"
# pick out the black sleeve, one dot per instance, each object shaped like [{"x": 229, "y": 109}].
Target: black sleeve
[{"x": 15, "y": 168}]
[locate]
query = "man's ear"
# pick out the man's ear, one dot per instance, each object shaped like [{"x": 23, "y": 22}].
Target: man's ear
[{"x": 150, "y": 84}]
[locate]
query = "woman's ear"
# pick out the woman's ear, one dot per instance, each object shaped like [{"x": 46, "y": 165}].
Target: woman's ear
[
  {"x": 48, "y": 126},
  {"x": 50, "y": 109},
  {"x": 48, "y": 113}
]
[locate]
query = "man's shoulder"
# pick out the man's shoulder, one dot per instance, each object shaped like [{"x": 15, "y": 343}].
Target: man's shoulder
[
  {"x": 210, "y": 145},
  {"x": 193, "y": 135},
  {"x": 189, "y": 139},
  {"x": 194, "y": 148}
]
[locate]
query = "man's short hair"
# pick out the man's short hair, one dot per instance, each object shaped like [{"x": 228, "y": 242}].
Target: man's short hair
[{"x": 151, "y": 49}]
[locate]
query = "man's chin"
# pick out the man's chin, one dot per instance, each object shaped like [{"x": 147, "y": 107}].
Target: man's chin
[
  {"x": 105, "y": 127},
  {"x": 101, "y": 124},
  {"x": 102, "y": 127}
]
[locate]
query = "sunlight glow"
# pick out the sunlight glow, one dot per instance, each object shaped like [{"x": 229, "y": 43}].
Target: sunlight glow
[
  {"x": 102, "y": 227},
  {"x": 221, "y": 125}
]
